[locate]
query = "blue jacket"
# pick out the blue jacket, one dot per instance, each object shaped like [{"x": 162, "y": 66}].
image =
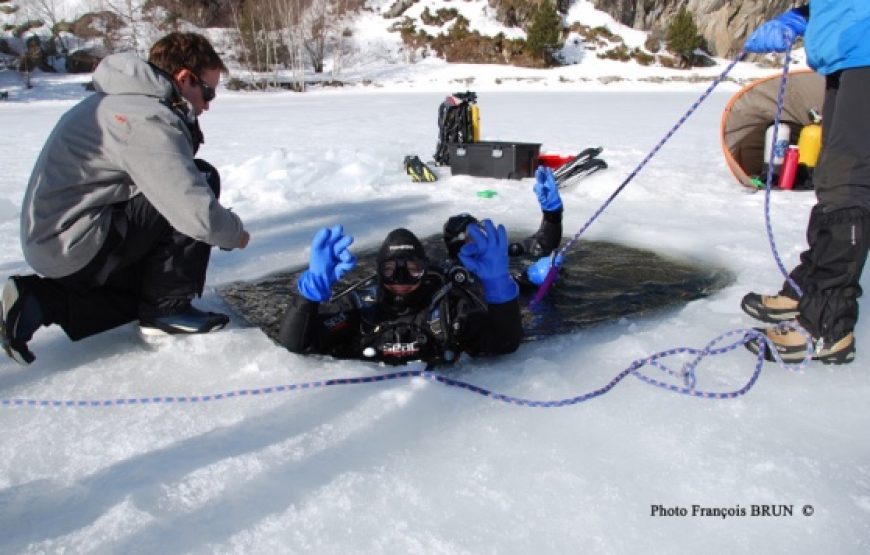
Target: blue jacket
[{"x": 838, "y": 35}]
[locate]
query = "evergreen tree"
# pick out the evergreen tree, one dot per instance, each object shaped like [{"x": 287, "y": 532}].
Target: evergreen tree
[
  {"x": 682, "y": 36},
  {"x": 545, "y": 32}
]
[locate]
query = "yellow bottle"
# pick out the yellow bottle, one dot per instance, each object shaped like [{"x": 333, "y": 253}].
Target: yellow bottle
[
  {"x": 810, "y": 141},
  {"x": 475, "y": 123}
]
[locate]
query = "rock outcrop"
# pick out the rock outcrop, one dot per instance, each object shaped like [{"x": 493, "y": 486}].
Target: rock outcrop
[{"x": 725, "y": 24}]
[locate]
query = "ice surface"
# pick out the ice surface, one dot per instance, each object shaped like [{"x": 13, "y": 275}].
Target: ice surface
[{"x": 412, "y": 466}]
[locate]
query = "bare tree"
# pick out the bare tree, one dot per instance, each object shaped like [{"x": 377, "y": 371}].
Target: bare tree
[
  {"x": 316, "y": 27},
  {"x": 53, "y": 12},
  {"x": 323, "y": 28},
  {"x": 132, "y": 12},
  {"x": 292, "y": 11},
  {"x": 244, "y": 55},
  {"x": 339, "y": 46}
]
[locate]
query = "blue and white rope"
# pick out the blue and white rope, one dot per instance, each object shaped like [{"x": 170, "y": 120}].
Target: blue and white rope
[
  {"x": 687, "y": 374},
  {"x": 554, "y": 269},
  {"x": 780, "y": 103}
]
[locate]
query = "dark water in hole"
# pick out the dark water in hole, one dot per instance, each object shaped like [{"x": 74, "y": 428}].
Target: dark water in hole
[{"x": 599, "y": 282}]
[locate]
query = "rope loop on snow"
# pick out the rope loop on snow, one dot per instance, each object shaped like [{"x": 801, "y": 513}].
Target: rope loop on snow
[{"x": 686, "y": 374}]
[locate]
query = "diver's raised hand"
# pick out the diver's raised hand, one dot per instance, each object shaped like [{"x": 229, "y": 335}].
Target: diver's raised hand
[
  {"x": 546, "y": 190},
  {"x": 329, "y": 260},
  {"x": 486, "y": 256}
]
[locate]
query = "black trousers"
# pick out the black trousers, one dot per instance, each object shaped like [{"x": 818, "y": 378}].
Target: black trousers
[
  {"x": 838, "y": 232},
  {"x": 830, "y": 270},
  {"x": 144, "y": 269},
  {"x": 842, "y": 176}
]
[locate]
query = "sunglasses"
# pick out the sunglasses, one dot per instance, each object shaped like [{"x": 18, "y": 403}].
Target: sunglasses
[
  {"x": 208, "y": 92},
  {"x": 404, "y": 271}
]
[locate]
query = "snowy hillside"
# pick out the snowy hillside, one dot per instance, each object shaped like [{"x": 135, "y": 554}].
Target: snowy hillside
[
  {"x": 381, "y": 59},
  {"x": 374, "y": 56}
]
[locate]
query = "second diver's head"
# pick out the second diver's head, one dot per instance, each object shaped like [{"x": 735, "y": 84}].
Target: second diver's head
[
  {"x": 455, "y": 232},
  {"x": 402, "y": 264}
]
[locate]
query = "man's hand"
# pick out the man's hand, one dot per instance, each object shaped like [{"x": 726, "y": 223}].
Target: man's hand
[{"x": 246, "y": 238}]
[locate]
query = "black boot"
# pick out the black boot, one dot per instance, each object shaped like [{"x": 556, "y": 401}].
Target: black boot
[
  {"x": 22, "y": 316},
  {"x": 182, "y": 319}
]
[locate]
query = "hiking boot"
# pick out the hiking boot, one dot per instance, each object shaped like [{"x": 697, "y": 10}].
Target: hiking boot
[
  {"x": 792, "y": 347},
  {"x": 770, "y": 309},
  {"x": 190, "y": 320},
  {"x": 22, "y": 316}
]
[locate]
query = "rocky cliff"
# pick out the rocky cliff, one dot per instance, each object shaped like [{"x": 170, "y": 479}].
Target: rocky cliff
[{"x": 725, "y": 24}]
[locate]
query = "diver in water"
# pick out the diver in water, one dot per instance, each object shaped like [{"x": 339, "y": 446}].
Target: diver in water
[
  {"x": 415, "y": 308},
  {"x": 540, "y": 245},
  {"x": 411, "y": 311}
]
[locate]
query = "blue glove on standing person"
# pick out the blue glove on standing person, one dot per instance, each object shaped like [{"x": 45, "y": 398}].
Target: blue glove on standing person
[
  {"x": 778, "y": 34},
  {"x": 546, "y": 190},
  {"x": 329, "y": 261},
  {"x": 487, "y": 257}
]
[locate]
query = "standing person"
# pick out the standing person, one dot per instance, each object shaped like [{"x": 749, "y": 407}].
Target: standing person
[
  {"x": 838, "y": 232},
  {"x": 118, "y": 218},
  {"x": 412, "y": 311}
]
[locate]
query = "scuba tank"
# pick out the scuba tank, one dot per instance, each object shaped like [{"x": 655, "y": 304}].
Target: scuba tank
[
  {"x": 458, "y": 122},
  {"x": 774, "y": 153},
  {"x": 810, "y": 140},
  {"x": 475, "y": 122},
  {"x": 789, "y": 168},
  {"x": 810, "y": 145}
]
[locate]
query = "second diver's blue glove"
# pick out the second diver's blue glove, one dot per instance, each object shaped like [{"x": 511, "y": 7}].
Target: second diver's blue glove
[
  {"x": 487, "y": 257},
  {"x": 546, "y": 190},
  {"x": 538, "y": 271},
  {"x": 330, "y": 259},
  {"x": 778, "y": 34}
]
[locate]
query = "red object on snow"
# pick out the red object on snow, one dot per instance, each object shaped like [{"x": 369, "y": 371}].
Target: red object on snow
[
  {"x": 789, "y": 168},
  {"x": 554, "y": 161}
]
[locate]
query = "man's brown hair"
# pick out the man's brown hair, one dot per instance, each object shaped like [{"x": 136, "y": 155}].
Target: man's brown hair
[{"x": 185, "y": 50}]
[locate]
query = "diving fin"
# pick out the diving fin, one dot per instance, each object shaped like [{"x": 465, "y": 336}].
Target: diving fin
[{"x": 419, "y": 171}]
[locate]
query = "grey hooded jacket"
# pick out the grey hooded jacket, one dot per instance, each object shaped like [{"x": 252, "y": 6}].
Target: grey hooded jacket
[{"x": 120, "y": 142}]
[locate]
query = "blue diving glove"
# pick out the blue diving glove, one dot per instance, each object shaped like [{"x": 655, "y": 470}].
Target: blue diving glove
[
  {"x": 330, "y": 259},
  {"x": 487, "y": 257},
  {"x": 778, "y": 34},
  {"x": 546, "y": 190},
  {"x": 538, "y": 271}
]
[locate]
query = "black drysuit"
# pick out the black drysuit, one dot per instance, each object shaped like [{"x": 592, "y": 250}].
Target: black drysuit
[{"x": 434, "y": 324}]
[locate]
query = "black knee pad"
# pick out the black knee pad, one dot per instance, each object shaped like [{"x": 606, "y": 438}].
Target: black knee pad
[{"x": 211, "y": 175}]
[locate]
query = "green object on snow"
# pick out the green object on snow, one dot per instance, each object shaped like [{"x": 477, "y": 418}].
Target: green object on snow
[
  {"x": 758, "y": 183},
  {"x": 486, "y": 193}
]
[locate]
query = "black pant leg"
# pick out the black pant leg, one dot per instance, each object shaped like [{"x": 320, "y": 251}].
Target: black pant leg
[
  {"x": 798, "y": 274},
  {"x": 842, "y": 177},
  {"x": 144, "y": 269},
  {"x": 174, "y": 268},
  {"x": 835, "y": 262},
  {"x": 832, "y": 266},
  {"x": 102, "y": 295}
]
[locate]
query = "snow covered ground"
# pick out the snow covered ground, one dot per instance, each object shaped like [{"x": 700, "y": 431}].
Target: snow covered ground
[{"x": 410, "y": 466}]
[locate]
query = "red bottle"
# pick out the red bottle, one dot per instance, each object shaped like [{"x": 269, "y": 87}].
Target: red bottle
[{"x": 789, "y": 168}]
